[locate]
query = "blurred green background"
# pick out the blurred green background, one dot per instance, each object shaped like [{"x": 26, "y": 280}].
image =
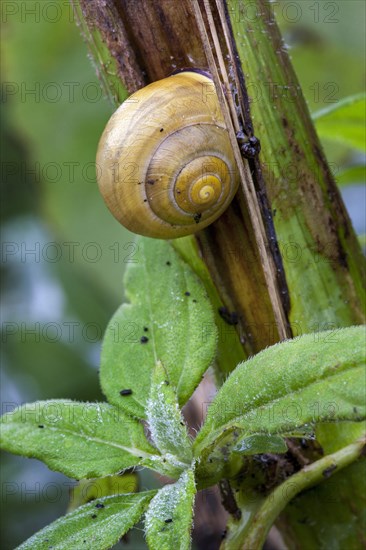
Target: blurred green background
[{"x": 63, "y": 254}]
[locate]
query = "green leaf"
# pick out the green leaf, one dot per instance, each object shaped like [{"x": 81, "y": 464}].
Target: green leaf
[
  {"x": 169, "y": 319},
  {"x": 344, "y": 122},
  {"x": 78, "y": 439},
  {"x": 333, "y": 437},
  {"x": 169, "y": 517},
  {"x": 310, "y": 379},
  {"x": 90, "y": 489},
  {"x": 259, "y": 444},
  {"x": 362, "y": 240},
  {"x": 351, "y": 176},
  {"x": 167, "y": 427},
  {"x": 230, "y": 351},
  {"x": 94, "y": 526}
]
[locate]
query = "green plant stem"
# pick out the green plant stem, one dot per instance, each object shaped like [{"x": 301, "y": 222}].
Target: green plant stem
[
  {"x": 325, "y": 276},
  {"x": 251, "y": 530}
]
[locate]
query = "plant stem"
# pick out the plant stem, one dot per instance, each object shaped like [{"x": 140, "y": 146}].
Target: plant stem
[
  {"x": 251, "y": 531},
  {"x": 323, "y": 262}
]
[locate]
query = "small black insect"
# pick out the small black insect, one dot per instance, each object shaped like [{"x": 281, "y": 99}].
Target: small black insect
[
  {"x": 197, "y": 217},
  {"x": 328, "y": 471},
  {"x": 144, "y": 339},
  {"x": 125, "y": 392},
  {"x": 40, "y": 426},
  {"x": 169, "y": 520},
  {"x": 94, "y": 516},
  {"x": 187, "y": 293},
  {"x": 249, "y": 148},
  {"x": 231, "y": 318},
  {"x": 168, "y": 263},
  {"x": 99, "y": 505}
]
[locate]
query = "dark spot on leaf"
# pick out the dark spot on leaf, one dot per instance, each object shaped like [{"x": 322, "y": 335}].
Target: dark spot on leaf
[
  {"x": 231, "y": 318},
  {"x": 328, "y": 471},
  {"x": 161, "y": 129},
  {"x": 144, "y": 339},
  {"x": 99, "y": 505},
  {"x": 187, "y": 293},
  {"x": 94, "y": 516},
  {"x": 125, "y": 392},
  {"x": 195, "y": 301},
  {"x": 40, "y": 426},
  {"x": 168, "y": 263},
  {"x": 146, "y": 329},
  {"x": 169, "y": 520}
]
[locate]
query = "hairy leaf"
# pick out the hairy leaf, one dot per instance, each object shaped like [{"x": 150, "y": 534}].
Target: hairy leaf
[
  {"x": 261, "y": 443},
  {"x": 90, "y": 489},
  {"x": 79, "y": 439},
  {"x": 169, "y": 319},
  {"x": 310, "y": 379},
  {"x": 167, "y": 427},
  {"x": 169, "y": 516},
  {"x": 94, "y": 526}
]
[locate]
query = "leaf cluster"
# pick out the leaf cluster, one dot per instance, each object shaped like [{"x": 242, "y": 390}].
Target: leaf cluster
[{"x": 156, "y": 350}]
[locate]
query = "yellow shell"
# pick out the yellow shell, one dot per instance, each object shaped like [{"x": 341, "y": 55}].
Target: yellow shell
[{"x": 165, "y": 165}]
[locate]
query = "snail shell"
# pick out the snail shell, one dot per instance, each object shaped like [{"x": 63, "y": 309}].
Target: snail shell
[{"x": 165, "y": 164}]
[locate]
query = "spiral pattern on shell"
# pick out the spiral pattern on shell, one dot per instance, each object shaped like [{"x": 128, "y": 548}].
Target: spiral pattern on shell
[{"x": 165, "y": 164}]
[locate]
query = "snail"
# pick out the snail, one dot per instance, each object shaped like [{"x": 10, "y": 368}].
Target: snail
[{"x": 164, "y": 162}]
